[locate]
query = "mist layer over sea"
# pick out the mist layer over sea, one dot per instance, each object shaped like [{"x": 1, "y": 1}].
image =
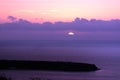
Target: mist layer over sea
[{"x": 105, "y": 54}]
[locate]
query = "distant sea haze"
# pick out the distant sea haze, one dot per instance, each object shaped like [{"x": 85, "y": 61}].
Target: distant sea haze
[
  {"x": 71, "y": 50},
  {"x": 60, "y": 43}
]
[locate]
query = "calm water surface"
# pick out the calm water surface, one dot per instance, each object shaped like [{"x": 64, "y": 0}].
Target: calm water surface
[{"x": 105, "y": 55}]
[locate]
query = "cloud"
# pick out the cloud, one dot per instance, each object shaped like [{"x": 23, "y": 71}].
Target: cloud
[
  {"x": 24, "y": 11},
  {"x": 81, "y": 25},
  {"x": 83, "y": 28},
  {"x": 49, "y": 11},
  {"x": 53, "y": 10},
  {"x": 11, "y": 18}
]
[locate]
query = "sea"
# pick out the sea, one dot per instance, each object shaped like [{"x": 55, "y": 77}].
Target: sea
[{"x": 105, "y": 54}]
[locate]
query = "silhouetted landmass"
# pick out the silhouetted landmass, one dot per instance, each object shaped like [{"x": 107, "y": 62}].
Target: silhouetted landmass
[
  {"x": 4, "y": 78},
  {"x": 46, "y": 65}
]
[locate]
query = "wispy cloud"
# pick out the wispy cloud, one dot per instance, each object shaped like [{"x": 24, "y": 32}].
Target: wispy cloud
[
  {"x": 24, "y": 11},
  {"x": 49, "y": 11}
]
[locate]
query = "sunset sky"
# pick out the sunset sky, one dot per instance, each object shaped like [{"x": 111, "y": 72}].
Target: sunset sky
[
  {"x": 23, "y": 21},
  {"x": 59, "y": 10}
]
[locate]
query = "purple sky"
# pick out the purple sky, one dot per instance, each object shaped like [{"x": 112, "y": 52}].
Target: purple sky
[{"x": 83, "y": 29}]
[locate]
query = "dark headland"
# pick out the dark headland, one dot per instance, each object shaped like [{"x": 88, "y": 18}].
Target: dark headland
[{"x": 46, "y": 66}]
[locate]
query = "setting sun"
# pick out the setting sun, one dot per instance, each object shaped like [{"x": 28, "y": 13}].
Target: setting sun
[{"x": 71, "y": 33}]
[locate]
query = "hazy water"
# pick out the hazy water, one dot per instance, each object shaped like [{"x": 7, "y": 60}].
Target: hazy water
[{"x": 105, "y": 54}]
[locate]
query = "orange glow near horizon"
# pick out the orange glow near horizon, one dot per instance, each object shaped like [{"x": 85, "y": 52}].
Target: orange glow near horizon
[{"x": 60, "y": 10}]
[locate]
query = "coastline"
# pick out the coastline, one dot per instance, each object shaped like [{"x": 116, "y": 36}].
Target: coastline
[{"x": 47, "y": 66}]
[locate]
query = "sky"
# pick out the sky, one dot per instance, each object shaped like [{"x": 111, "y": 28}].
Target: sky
[
  {"x": 78, "y": 29},
  {"x": 58, "y": 20},
  {"x": 59, "y": 10},
  {"x": 41, "y": 19}
]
